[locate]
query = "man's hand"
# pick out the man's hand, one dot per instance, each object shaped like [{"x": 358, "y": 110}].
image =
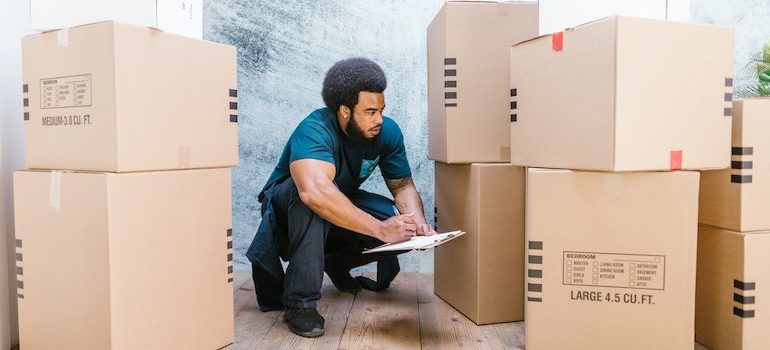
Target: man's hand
[
  {"x": 408, "y": 200},
  {"x": 398, "y": 228},
  {"x": 425, "y": 230}
]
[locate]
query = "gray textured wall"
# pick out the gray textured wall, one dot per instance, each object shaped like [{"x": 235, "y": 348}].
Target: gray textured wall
[{"x": 285, "y": 47}]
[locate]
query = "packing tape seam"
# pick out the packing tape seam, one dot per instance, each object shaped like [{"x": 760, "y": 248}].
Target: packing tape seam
[
  {"x": 184, "y": 158},
  {"x": 55, "y": 195},
  {"x": 62, "y": 37}
]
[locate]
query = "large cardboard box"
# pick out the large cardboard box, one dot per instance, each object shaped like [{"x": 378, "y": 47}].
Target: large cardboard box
[
  {"x": 184, "y": 17},
  {"x": 487, "y": 201},
  {"x": 610, "y": 259},
  {"x": 468, "y": 64},
  {"x": 739, "y": 198},
  {"x": 556, "y": 15},
  {"x": 732, "y": 294},
  {"x": 124, "y": 261},
  {"x": 617, "y": 95},
  {"x": 119, "y": 98}
]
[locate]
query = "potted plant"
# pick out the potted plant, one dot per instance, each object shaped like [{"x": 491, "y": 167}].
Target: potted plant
[{"x": 760, "y": 67}]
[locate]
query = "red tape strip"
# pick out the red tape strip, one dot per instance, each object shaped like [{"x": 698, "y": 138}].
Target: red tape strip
[
  {"x": 676, "y": 160},
  {"x": 557, "y": 41}
]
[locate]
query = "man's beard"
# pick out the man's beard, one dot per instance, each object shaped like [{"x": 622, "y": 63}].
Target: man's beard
[{"x": 358, "y": 135}]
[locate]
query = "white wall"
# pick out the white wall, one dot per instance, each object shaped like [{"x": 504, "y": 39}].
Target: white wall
[
  {"x": 14, "y": 23},
  {"x": 5, "y": 301}
]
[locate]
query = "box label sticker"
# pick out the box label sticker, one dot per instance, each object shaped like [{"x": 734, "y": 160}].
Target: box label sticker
[
  {"x": 65, "y": 92},
  {"x": 635, "y": 271}
]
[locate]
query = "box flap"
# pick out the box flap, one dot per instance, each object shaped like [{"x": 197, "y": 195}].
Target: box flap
[{"x": 565, "y": 29}]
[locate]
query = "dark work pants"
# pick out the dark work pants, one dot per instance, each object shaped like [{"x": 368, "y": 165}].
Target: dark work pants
[{"x": 308, "y": 242}]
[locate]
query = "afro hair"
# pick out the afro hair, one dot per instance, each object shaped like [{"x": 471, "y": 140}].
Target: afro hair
[{"x": 346, "y": 78}]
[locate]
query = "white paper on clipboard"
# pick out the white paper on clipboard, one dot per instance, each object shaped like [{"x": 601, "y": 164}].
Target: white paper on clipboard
[{"x": 418, "y": 242}]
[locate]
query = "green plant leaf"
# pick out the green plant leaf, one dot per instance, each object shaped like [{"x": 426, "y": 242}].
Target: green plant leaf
[
  {"x": 763, "y": 89},
  {"x": 766, "y": 52},
  {"x": 759, "y": 64}
]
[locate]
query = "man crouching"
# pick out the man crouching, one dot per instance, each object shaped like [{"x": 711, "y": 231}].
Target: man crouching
[{"x": 313, "y": 213}]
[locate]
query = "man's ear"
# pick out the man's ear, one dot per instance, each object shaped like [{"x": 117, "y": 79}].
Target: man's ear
[{"x": 344, "y": 111}]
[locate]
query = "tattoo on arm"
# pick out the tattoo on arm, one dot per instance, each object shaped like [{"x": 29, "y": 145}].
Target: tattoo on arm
[{"x": 396, "y": 185}]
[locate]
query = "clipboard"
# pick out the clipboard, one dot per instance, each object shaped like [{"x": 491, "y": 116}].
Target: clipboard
[{"x": 418, "y": 242}]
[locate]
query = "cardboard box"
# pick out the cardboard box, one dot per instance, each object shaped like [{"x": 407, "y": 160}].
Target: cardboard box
[
  {"x": 468, "y": 63},
  {"x": 124, "y": 261},
  {"x": 118, "y": 98},
  {"x": 739, "y": 198},
  {"x": 610, "y": 259},
  {"x": 556, "y": 15},
  {"x": 732, "y": 293},
  {"x": 487, "y": 201},
  {"x": 615, "y": 95},
  {"x": 183, "y": 17}
]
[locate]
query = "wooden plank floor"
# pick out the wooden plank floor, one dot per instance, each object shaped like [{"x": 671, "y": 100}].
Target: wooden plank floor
[{"x": 406, "y": 316}]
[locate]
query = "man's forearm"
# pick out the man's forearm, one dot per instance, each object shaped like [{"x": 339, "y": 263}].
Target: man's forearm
[
  {"x": 408, "y": 200},
  {"x": 317, "y": 190},
  {"x": 332, "y": 205}
]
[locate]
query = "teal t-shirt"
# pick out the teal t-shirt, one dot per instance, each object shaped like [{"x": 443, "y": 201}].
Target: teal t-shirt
[{"x": 319, "y": 136}]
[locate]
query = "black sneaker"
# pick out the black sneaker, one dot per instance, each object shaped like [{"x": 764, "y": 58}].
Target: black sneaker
[{"x": 304, "y": 321}]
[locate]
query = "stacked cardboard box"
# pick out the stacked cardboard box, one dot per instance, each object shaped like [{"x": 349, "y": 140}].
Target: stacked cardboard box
[
  {"x": 487, "y": 201},
  {"x": 120, "y": 98},
  {"x": 611, "y": 255},
  {"x": 123, "y": 221},
  {"x": 610, "y": 259},
  {"x": 124, "y": 261},
  {"x": 612, "y": 95},
  {"x": 734, "y": 238},
  {"x": 477, "y": 189},
  {"x": 468, "y": 65}
]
